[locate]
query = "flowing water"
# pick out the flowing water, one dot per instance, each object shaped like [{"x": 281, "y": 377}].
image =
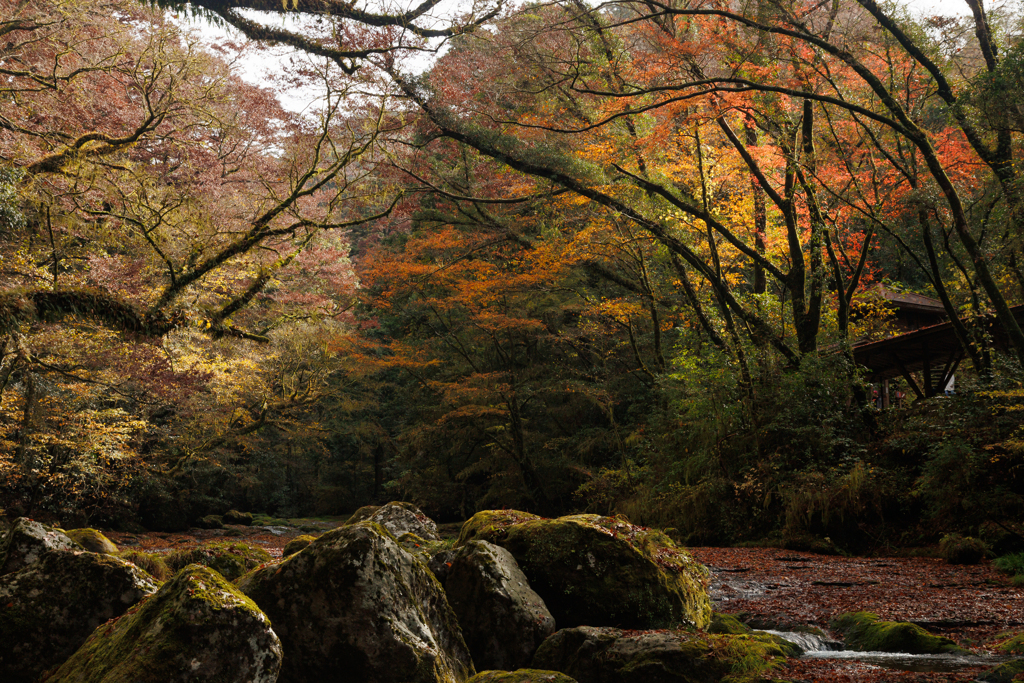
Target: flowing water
[{"x": 816, "y": 647}]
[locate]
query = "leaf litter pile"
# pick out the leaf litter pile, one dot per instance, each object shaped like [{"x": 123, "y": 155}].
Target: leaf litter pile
[{"x": 781, "y": 589}]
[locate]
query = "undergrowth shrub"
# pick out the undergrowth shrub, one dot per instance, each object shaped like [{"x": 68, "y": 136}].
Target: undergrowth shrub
[
  {"x": 1013, "y": 565},
  {"x": 957, "y": 549}
]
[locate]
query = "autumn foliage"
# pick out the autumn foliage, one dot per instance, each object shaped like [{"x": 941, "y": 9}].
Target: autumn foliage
[{"x": 550, "y": 257}]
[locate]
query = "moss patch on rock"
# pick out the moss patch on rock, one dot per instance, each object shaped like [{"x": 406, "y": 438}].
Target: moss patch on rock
[
  {"x": 609, "y": 655},
  {"x": 197, "y": 627},
  {"x": 727, "y": 623},
  {"x": 491, "y": 525},
  {"x": 599, "y": 571},
  {"x": 866, "y": 632},
  {"x": 1010, "y": 643},
  {"x": 151, "y": 563},
  {"x": 232, "y": 560},
  {"x": 236, "y": 517},
  {"x": 1004, "y": 673},
  {"x": 50, "y": 607},
  {"x": 210, "y": 522},
  {"x": 296, "y": 544},
  {"x": 362, "y": 514},
  {"x": 92, "y": 540},
  {"x": 421, "y": 548},
  {"x": 521, "y": 676}
]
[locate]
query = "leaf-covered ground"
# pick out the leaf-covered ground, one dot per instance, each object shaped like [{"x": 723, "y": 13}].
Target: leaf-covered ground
[{"x": 783, "y": 588}]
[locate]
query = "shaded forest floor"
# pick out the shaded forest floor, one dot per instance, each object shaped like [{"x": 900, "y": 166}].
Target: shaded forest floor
[{"x": 781, "y": 589}]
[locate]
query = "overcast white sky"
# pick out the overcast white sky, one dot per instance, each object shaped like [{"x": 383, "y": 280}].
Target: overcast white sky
[{"x": 256, "y": 66}]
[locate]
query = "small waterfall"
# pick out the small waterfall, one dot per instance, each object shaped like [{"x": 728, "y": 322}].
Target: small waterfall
[{"x": 809, "y": 642}]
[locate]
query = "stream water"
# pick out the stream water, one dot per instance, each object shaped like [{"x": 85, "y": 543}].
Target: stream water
[{"x": 816, "y": 647}]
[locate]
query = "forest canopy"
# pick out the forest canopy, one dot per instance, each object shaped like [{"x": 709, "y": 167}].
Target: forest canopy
[{"x": 552, "y": 256}]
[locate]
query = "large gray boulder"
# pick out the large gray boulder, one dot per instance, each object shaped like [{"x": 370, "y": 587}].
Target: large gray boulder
[
  {"x": 610, "y": 655},
  {"x": 27, "y": 540},
  {"x": 405, "y": 518},
  {"x": 50, "y": 607},
  {"x": 197, "y": 628},
  {"x": 601, "y": 571},
  {"x": 354, "y": 604},
  {"x": 503, "y": 620}
]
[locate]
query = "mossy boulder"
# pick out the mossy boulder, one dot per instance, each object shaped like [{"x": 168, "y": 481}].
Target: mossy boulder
[
  {"x": 26, "y": 542},
  {"x": 210, "y": 522},
  {"x": 354, "y": 601},
  {"x": 1004, "y": 673},
  {"x": 521, "y": 676},
  {"x": 230, "y": 559},
  {"x": 866, "y": 632},
  {"x": 296, "y": 544},
  {"x": 197, "y": 627},
  {"x": 92, "y": 540},
  {"x": 236, "y": 517},
  {"x": 503, "y": 620},
  {"x": 610, "y": 655},
  {"x": 401, "y": 518},
  {"x": 51, "y": 606},
  {"x": 491, "y": 525},
  {"x": 151, "y": 563},
  {"x": 604, "y": 571},
  {"x": 362, "y": 514},
  {"x": 1010, "y": 643},
  {"x": 727, "y": 623}
]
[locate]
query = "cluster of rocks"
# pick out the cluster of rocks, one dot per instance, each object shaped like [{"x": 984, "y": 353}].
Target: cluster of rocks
[{"x": 381, "y": 599}]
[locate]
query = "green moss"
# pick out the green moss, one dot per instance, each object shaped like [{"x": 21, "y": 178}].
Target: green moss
[
  {"x": 298, "y": 543},
  {"x": 236, "y": 517},
  {"x": 1010, "y": 643},
  {"x": 864, "y": 631},
  {"x": 421, "y": 548},
  {"x": 93, "y": 541},
  {"x": 609, "y": 654},
  {"x": 521, "y": 676},
  {"x": 1004, "y": 673},
  {"x": 491, "y": 525},
  {"x": 232, "y": 560},
  {"x": 726, "y": 623},
  {"x": 150, "y": 563},
  {"x": 362, "y": 514},
  {"x": 267, "y": 520},
  {"x": 210, "y": 522}
]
